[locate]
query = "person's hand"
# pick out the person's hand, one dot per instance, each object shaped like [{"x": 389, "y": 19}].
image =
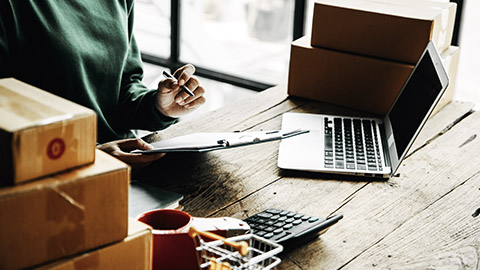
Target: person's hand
[
  {"x": 121, "y": 150},
  {"x": 171, "y": 101}
]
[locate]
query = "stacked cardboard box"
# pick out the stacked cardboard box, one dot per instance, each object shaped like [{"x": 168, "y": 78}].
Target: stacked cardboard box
[
  {"x": 450, "y": 59},
  {"x": 133, "y": 252},
  {"x": 60, "y": 197},
  {"x": 41, "y": 133},
  {"x": 64, "y": 214},
  {"x": 361, "y": 52}
]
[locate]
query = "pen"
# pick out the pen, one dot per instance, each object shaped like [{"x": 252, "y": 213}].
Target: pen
[{"x": 183, "y": 87}]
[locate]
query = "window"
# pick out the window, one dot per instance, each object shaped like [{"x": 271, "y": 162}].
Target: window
[
  {"x": 242, "y": 42},
  {"x": 249, "y": 39},
  {"x": 152, "y": 27},
  {"x": 256, "y": 33}
]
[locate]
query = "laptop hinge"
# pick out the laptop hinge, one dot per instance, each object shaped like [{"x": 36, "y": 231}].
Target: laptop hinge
[{"x": 386, "y": 155}]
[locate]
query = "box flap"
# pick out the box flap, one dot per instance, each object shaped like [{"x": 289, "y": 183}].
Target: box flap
[
  {"x": 23, "y": 106},
  {"x": 104, "y": 163}
]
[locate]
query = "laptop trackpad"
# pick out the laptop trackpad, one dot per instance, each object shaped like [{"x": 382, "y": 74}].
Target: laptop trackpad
[{"x": 303, "y": 152}]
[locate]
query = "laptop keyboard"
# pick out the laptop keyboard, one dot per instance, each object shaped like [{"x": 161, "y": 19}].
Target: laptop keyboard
[{"x": 352, "y": 144}]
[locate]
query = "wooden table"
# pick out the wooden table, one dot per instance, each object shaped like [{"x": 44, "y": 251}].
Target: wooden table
[{"x": 426, "y": 217}]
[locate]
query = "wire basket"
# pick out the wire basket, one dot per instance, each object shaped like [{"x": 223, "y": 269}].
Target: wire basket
[{"x": 247, "y": 251}]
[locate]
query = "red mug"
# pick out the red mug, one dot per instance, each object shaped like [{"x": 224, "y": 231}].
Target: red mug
[{"x": 172, "y": 247}]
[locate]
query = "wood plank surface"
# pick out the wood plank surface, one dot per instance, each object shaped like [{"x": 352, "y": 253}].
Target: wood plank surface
[
  {"x": 452, "y": 113},
  {"x": 212, "y": 181},
  {"x": 446, "y": 233},
  {"x": 380, "y": 208},
  {"x": 377, "y": 209},
  {"x": 242, "y": 181}
]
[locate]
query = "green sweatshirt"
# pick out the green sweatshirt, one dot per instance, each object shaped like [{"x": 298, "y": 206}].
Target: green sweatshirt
[{"x": 84, "y": 51}]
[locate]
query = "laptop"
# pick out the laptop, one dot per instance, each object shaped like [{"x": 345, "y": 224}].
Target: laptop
[{"x": 372, "y": 147}]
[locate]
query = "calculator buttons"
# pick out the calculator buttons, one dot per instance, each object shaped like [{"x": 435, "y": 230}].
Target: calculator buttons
[
  {"x": 273, "y": 211},
  {"x": 269, "y": 229},
  {"x": 289, "y": 220},
  {"x": 268, "y": 235},
  {"x": 313, "y": 219},
  {"x": 278, "y": 224},
  {"x": 288, "y": 228},
  {"x": 264, "y": 215},
  {"x": 297, "y": 222},
  {"x": 270, "y": 222},
  {"x": 260, "y": 233}
]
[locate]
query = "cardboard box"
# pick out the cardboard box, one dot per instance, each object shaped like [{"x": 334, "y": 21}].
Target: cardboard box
[
  {"x": 450, "y": 60},
  {"x": 349, "y": 80},
  {"x": 388, "y": 29},
  {"x": 64, "y": 214},
  {"x": 41, "y": 133},
  {"x": 444, "y": 21},
  {"x": 134, "y": 252}
]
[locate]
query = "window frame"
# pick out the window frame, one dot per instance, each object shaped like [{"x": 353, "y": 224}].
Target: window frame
[{"x": 173, "y": 61}]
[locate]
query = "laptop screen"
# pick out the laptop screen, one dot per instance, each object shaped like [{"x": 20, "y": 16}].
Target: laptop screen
[{"x": 414, "y": 103}]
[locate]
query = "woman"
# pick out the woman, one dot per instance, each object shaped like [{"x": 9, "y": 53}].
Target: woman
[{"x": 85, "y": 51}]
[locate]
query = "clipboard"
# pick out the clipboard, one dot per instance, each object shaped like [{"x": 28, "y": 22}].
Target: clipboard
[{"x": 206, "y": 142}]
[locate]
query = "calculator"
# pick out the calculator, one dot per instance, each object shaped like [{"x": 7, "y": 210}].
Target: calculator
[{"x": 288, "y": 228}]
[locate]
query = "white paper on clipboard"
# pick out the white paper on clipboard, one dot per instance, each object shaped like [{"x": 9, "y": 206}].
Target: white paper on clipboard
[{"x": 205, "y": 142}]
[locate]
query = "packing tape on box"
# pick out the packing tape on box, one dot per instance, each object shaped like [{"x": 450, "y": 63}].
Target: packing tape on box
[
  {"x": 53, "y": 119},
  {"x": 28, "y": 108},
  {"x": 67, "y": 213},
  {"x": 56, "y": 143}
]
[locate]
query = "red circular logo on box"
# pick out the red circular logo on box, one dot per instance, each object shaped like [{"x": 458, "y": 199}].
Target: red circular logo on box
[{"x": 56, "y": 148}]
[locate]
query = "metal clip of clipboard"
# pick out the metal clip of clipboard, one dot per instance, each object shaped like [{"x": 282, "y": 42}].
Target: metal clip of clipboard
[
  {"x": 206, "y": 142},
  {"x": 248, "y": 138}
]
